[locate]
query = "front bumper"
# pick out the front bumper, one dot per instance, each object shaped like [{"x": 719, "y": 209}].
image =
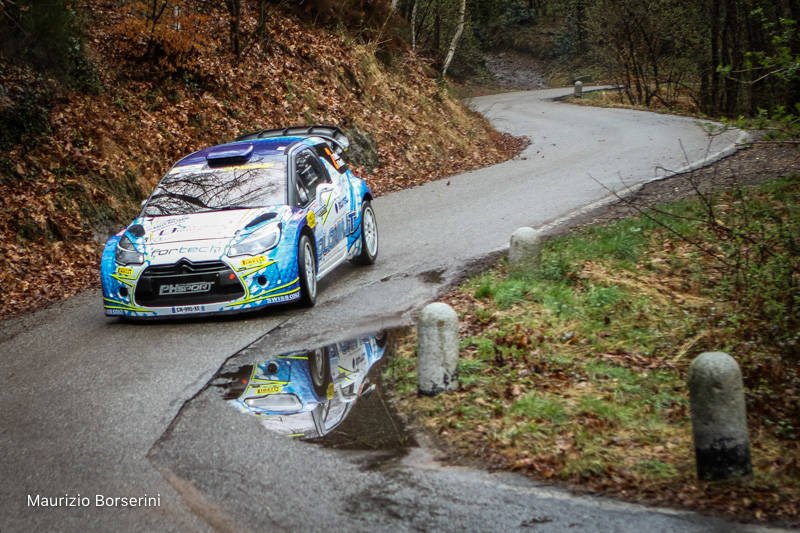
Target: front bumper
[{"x": 185, "y": 287}]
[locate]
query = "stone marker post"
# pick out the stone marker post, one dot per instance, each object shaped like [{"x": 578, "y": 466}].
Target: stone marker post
[
  {"x": 719, "y": 421},
  {"x": 525, "y": 249},
  {"x": 437, "y": 358},
  {"x": 578, "y": 89}
]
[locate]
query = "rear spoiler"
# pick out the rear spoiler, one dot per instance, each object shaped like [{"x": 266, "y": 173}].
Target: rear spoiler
[{"x": 334, "y": 135}]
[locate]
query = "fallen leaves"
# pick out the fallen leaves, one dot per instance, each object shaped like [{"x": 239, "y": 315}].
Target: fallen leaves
[{"x": 105, "y": 152}]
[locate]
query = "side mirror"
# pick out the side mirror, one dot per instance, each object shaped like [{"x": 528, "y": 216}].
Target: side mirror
[{"x": 143, "y": 202}]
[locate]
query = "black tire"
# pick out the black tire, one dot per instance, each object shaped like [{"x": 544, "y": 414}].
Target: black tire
[
  {"x": 382, "y": 338},
  {"x": 319, "y": 367},
  {"x": 307, "y": 270},
  {"x": 369, "y": 236}
]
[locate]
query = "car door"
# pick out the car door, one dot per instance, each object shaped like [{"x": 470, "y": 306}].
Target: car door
[{"x": 323, "y": 198}]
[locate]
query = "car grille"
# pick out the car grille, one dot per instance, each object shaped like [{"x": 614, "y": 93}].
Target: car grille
[{"x": 187, "y": 283}]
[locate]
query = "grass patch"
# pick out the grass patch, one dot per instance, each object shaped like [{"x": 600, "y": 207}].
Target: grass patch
[
  {"x": 657, "y": 469},
  {"x": 536, "y": 407},
  {"x": 604, "y": 410},
  {"x": 577, "y": 371}
]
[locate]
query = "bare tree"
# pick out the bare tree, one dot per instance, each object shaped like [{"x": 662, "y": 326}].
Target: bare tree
[
  {"x": 414, "y": 26},
  {"x": 154, "y": 11},
  {"x": 462, "y": 11}
]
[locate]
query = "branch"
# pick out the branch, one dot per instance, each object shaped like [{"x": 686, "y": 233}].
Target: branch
[{"x": 646, "y": 214}]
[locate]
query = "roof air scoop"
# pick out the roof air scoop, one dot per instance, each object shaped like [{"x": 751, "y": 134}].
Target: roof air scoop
[{"x": 229, "y": 154}]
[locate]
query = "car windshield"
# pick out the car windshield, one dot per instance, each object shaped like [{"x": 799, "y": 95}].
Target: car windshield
[{"x": 199, "y": 188}]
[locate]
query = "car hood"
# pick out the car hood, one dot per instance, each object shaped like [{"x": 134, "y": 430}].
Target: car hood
[{"x": 217, "y": 225}]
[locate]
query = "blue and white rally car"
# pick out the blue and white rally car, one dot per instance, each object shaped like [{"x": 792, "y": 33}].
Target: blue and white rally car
[
  {"x": 240, "y": 226},
  {"x": 307, "y": 393}
]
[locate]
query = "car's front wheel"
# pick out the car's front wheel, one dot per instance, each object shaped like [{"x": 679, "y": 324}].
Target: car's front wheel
[
  {"x": 369, "y": 236},
  {"x": 319, "y": 366},
  {"x": 307, "y": 269}
]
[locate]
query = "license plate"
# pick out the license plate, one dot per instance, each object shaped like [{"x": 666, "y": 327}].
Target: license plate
[{"x": 189, "y": 309}]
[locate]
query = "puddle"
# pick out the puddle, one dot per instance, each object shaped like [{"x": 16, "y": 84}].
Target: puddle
[
  {"x": 330, "y": 394},
  {"x": 432, "y": 276}
]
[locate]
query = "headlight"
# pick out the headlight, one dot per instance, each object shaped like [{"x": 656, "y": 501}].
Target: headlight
[
  {"x": 285, "y": 402},
  {"x": 259, "y": 242},
  {"x": 127, "y": 254}
]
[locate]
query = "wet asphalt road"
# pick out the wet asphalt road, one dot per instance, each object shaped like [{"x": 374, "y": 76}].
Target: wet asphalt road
[{"x": 94, "y": 406}]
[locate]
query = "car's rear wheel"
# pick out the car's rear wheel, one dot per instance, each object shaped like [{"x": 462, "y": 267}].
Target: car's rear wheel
[
  {"x": 369, "y": 236},
  {"x": 307, "y": 270}
]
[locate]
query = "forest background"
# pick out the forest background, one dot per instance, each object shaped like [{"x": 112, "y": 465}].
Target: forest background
[{"x": 99, "y": 97}]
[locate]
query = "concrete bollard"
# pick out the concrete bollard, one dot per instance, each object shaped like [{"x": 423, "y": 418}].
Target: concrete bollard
[
  {"x": 525, "y": 249},
  {"x": 437, "y": 359},
  {"x": 578, "y": 89},
  {"x": 719, "y": 420}
]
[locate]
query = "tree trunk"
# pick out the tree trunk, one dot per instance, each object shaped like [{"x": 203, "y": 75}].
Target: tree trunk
[
  {"x": 462, "y": 11},
  {"x": 261, "y": 27},
  {"x": 235, "y": 10},
  {"x": 715, "y": 57},
  {"x": 153, "y": 15},
  {"x": 437, "y": 27},
  {"x": 414, "y": 26}
]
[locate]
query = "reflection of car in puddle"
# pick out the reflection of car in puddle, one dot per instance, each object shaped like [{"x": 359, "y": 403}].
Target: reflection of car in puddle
[{"x": 307, "y": 393}]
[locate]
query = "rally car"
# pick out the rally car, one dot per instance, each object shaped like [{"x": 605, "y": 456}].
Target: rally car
[
  {"x": 241, "y": 226},
  {"x": 307, "y": 393}
]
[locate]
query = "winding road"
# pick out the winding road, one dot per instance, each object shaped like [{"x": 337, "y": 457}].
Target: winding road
[{"x": 91, "y": 405}]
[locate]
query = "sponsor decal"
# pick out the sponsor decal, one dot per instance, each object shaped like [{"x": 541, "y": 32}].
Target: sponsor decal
[
  {"x": 114, "y": 312},
  {"x": 338, "y": 232},
  {"x": 185, "y": 288},
  {"x": 188, "y": 309},
  {"x": 185, "y": 250},
  {"x": 125, "y": 271},
  {"x": 252, "y": 261},
  {"x": 330, "y": 391},
  {"x": 286, "y": 298},
  {"x": 325, "y": 211},
  {"x": 169, "y": 221},
  {"x": 269, "y": 389},
  {"x": 174, "y": 229},
  {"x": 311, "y": 218}
]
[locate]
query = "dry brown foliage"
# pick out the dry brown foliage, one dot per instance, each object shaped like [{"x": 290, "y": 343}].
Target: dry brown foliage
[{"x": 106, "y": 151}]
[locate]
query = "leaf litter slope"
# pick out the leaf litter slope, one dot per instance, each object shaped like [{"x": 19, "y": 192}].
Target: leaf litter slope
[{"x": 63, "y": 191}]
